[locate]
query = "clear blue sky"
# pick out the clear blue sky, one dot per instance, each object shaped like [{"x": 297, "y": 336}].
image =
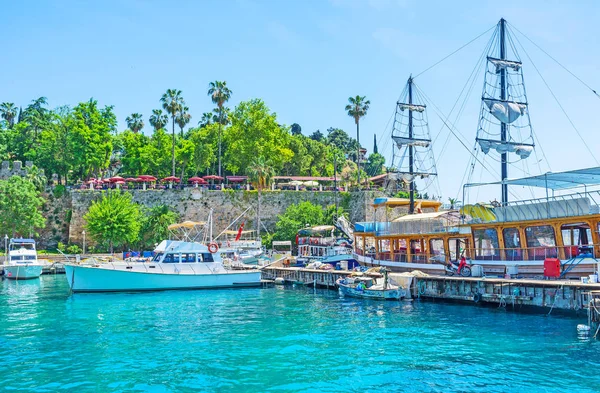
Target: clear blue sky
[{"x": 304, "y": 58}]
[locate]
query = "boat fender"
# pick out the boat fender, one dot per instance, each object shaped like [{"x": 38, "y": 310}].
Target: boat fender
[
  {"x": 213, "y": 248},
  {"x": 477, "y": 297}
]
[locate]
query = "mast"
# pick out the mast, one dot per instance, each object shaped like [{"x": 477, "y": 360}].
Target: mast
[
  {"x": 503, "y": 96},
  {"x": 413, "y": 141},
  {"x": 411, "y": 207}
]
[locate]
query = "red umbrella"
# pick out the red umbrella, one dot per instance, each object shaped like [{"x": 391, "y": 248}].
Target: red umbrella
[
  {"x": 131, "y": 179},
  {"x": 196, "y": 179},
  {"x": 236, "y": 179},
  {"x": 172, "y": 179},
  {"x": 115, "y": 179},
  {"x": 119, "y": 182},
  {"x": 212, "y": 177},
  {"x": 146, "y": 178}
]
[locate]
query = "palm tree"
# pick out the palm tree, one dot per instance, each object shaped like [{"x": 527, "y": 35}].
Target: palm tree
[
  {"x": 8, "y": 111},
  {"x": 357, "y": 108},
  {"x": 183, "y": 118},
  {"x": 453, "y": 202},
  {"x": 158, "y": 120},
  {"x": 220, "y": 94},
  {"x": 172, "y": 102},
  {"x": 135, "y": 122},
  {"x": 207, "y": 119},
  {"x": 260, "y": 174}
]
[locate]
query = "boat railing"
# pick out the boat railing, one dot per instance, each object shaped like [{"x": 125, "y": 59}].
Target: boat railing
[
  {"x": 489, "y": 254},
  {"x": 575, "y": 204},
  {"x": 430, "y": 226}
]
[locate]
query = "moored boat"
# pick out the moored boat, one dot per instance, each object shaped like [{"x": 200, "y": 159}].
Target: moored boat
[
  {"x": 176, "y": 265},
  {"x": 381, "y": 288},
  {"x": 22, "y": 263}
]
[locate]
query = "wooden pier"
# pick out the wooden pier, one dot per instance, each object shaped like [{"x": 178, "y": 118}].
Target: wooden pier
[{"x": 564, "y": 295}]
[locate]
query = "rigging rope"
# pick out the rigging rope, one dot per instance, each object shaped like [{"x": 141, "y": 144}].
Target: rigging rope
[
  {"x": 556, "y": 61},
  {"x": 558, "y": 102},
  {"x": 453, "y": 53}
]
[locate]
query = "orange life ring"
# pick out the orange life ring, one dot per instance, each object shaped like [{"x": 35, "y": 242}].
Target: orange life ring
[{"x": 213, "y": 248}]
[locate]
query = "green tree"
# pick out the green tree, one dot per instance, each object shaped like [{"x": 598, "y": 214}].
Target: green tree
[
  {"x": 113, "y": 220},
  {"x": 8, "y": 111},
  {"x": 260, "y": 174},
  {"x": 20, "y": 207},
  {"x": 357, "y": 107},
  {"x": 375, "y": 164},
  {"x": 90, "y": 138},
  {"x": 317, "y": 136},
  {"x": 158, "y": 120},
  {"x": 254, "y": 132},
  {"x": 135, "y": 122},
  {"x": 296, "y": 129},
  {"x": 296, "y": 217},
  {"x": 184, "y": 153},
  {"x": 133, "y": 159},
  {"x": 183, "y": 118},
  {"x": 219, "y": 94},
  {"x": 207, "y": 119},
  {"x": 55, "y": 154},
  {"x": 172, "y": 102},
  {"x": 204, "y": 141},
  {"x": 154, "y": 227}
]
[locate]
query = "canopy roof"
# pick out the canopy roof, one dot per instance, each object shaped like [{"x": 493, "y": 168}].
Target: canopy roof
[
  {"x": 399, "y": 202},
  {"x": 427, "y": 216},
  {"x": 556, "y": 181},
  {"x": 22, "y": 241},
  {"x": 186, "y": 224},
  {"x": 235, "y": 232}
]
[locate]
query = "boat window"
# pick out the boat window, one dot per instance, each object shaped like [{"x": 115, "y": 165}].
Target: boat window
[
  {"x": 417, "y": 251},
  {"x": 574, "y": 236},
  {"x": 171, "y": 258},
  {"x": 486, "y": 244},
  {"x": 456, "y": 246},
  {"x": 541, "y": 242},
  {"x": 207, "y": 257},
  {"x": 438, "y": 254},
  {"x": 188, "y": 258},
  {"x": 512, "y": 243},
  {"x": 16, "y": 258},
  {"x": 157, "y": 257}
]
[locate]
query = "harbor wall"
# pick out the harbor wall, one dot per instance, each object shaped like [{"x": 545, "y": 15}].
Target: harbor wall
[{"x": 194, "y": 204}]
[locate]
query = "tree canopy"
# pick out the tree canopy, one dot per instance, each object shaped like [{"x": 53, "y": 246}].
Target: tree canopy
[{"x": 20, "y": 207}]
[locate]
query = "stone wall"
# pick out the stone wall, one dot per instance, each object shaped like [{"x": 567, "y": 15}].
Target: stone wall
[
  {"x": 194, "y": 204},
  {"x": 16, "y": 169}
]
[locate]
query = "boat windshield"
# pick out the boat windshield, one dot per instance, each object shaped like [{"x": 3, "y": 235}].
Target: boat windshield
[{"x": 157, "y": 257}]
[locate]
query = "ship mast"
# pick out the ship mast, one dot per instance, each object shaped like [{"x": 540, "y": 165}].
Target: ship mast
[
  {"x": 411, "y": 206},
  {"x": 413, "y": 140},
  {"x": 503, "y": 96}
]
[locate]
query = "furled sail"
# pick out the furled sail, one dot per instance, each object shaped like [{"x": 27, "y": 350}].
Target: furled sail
[
  {"x": 411, "y": 107},
  {"x": 503, "y": 64},
  {"x": 402, "y": 141},
  {"x": 505, "y": 111},
  {"x": 522, "y": 150}
]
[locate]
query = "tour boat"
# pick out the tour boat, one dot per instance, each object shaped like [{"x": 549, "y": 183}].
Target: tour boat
[
  {"x": 176, "y": 265},
  {"x": 553, "y": 236},
  {"x": 370, "y": 288},
  {"x": 319, "y": 244},
  {"x": 22, "y": 263}
]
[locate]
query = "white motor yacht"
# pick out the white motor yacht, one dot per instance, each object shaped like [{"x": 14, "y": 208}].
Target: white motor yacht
[
  {"x": 22, "y": 263},
  {"x": 176, "y": 265}
]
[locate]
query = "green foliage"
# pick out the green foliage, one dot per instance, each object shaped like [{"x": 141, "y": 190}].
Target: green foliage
[
  {"x": 61, "y": 247},
  {"x": 59, "y": 191},
  {"x": 73, "y": 249},
  {"x": 254, "y": 131},
  {"x": 20, "y": 207},
  {"x": 374, "y": 165},
  {"x": 113, "y": 220},
  {"x": 154, "y": 225},
  {"x": 297, "y": 217}
]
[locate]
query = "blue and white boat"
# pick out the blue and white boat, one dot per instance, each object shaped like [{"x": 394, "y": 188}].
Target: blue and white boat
[
  {"x": 319, "y": 244},
  {"x": 176, "y": 265},
  {"x": 22, "y": 263},
  {"x": 380, "y": 288}
]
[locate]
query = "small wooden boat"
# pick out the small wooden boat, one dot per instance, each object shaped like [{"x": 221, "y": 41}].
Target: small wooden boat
[{"x": 370, "y": 288}]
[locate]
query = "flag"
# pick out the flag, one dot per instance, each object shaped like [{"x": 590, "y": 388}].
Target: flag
[{"x": 239, "y": 234}]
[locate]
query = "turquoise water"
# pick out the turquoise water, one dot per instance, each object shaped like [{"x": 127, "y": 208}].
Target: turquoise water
[{"x": 279, "y": 340}]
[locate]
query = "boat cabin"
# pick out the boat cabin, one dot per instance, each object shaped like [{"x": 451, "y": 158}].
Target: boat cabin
[
  {"x": 171, "y": 251},
  {"x": 22, "y": 251},
  {"x": 320, "y": 242}
]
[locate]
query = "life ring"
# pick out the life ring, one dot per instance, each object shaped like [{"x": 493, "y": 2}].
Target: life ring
[
  {"x": 477, "y": 297},
  {"x": 213, "y": 248}
]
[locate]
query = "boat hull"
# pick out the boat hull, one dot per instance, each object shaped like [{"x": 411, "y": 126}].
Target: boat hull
[
  {"x": 388, "y": 294},
  {"x": 96, "y": 279},
  {"x": 22, "y": 272}
]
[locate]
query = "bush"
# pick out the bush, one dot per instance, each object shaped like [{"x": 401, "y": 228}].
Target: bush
[
  {"x": 61, "y": 247},
  {"x": 59, "y": 191},
  {"x": 74, "y": 249}
]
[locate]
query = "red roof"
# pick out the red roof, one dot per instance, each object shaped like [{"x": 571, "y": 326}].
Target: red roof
[{"x": 305, "y": 178}]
